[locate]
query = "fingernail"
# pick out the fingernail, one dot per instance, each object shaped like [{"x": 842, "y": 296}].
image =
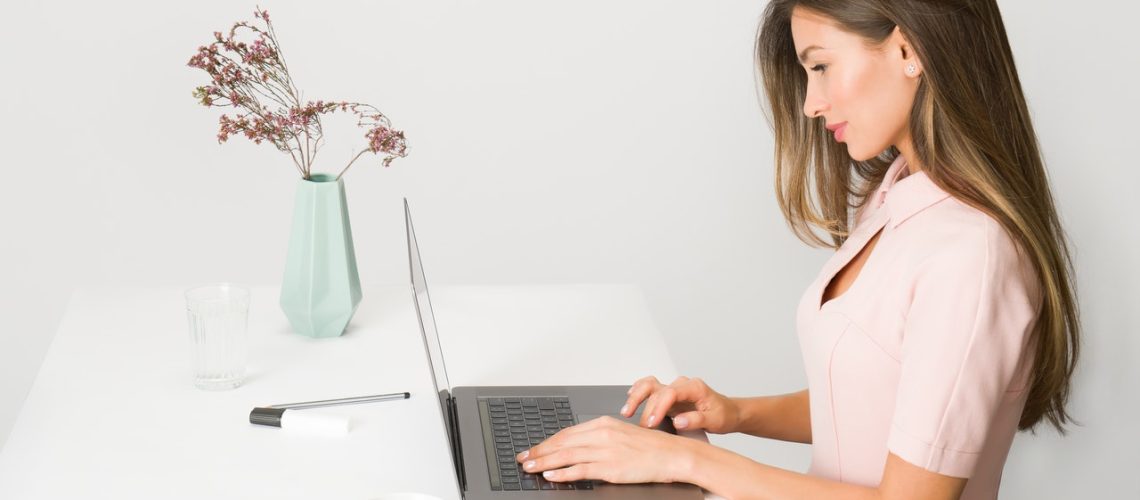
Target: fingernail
[
  {"x": 549, "y": 474},
  {"x": 529, "y": 465},
  {"x": 680, "y": 422},
  {"x": 524, "y": 454},
  {"x": 624, "y": 409},
  {"x": 651, "y": 419}
]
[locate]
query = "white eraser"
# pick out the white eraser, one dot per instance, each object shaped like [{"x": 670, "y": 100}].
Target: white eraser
[{"x": 307, "y": 422}]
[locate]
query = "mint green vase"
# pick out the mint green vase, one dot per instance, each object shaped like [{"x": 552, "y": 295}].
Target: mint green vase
[{"x": 321, "y": 289}]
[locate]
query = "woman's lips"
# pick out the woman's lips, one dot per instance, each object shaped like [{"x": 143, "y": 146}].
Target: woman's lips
[
  {"x": 838, "y": 129},
  {"x": 839, "y": 132}
]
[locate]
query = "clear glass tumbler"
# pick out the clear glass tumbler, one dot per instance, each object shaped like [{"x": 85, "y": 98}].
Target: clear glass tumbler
[{"x": 219, "y": 315}]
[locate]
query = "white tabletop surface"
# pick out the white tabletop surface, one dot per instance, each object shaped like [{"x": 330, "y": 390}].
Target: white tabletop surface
[{"x": 113, "y": 412}]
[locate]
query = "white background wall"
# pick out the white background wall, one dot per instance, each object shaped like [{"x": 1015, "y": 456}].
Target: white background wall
[{"x": 550, "y": 142}]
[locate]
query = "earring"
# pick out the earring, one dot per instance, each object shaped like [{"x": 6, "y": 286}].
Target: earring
[{"x": 910, "y": 69}]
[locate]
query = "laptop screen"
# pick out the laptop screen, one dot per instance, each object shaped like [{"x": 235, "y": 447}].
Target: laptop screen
[
  {"x": 431, "y": 343},
  {"x": 423, "y": 308}
]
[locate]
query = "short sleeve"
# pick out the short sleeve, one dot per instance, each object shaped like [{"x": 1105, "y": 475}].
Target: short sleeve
[{"x": 968, "y": 325}]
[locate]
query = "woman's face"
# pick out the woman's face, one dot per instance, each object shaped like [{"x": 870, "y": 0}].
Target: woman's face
[{"x": 868, "y": 89}]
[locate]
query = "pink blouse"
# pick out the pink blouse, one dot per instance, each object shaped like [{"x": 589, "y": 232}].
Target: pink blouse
[{"x": 927, "y": 354}]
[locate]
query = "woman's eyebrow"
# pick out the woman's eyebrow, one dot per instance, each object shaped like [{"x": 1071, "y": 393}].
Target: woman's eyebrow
[{"x": 804, "y": 53}]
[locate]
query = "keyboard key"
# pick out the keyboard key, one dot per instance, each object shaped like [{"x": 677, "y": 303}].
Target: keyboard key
[
  {"x": 584, "y": 485},
  {"x": 545, "y": 403}
]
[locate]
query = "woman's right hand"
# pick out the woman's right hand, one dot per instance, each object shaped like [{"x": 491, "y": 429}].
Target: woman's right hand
[{"x": 691, "y": 403}]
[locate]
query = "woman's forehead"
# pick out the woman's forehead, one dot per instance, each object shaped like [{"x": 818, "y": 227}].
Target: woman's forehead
[
  {"x": 812, "y": 31},
  {"x": 810, "y": 28}
]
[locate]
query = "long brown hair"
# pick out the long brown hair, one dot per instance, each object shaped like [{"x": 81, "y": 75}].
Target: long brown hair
[{"x": 972, "y": 134}]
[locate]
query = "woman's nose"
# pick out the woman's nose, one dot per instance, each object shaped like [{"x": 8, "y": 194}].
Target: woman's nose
[{"x": 814, "y": 106}]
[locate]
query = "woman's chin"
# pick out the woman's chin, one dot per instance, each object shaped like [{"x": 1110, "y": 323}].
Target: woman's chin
[{"x": 857, "y": 154}]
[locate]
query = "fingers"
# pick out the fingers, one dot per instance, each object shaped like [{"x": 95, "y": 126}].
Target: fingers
[
  {"x": 565, "y": 457},
  {"x": 647, "y": 418},
  {"x": 573, "y": 473},
  {"x": 683, "y": 389},
  {"x": 569, "y": 437},
  {"x": 637, "y": 393},
  {"x": 658, "y": 404},
  {"x": 689, "y": 420}
]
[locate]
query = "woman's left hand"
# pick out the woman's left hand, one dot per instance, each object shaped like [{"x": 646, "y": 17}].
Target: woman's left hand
[{"x": 611, "y": 450}]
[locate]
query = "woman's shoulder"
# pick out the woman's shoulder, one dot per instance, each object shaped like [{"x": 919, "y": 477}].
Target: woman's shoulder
[
  {"x": 954, "y": 241},
  {"x": 953, "y": 231}
]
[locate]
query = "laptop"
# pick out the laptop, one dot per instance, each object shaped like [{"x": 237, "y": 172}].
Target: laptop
[{"x": 488, "y": 426}]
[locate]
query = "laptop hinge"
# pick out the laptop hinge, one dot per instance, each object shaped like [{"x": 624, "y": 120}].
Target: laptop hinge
[{"x": 457, "y": 443}]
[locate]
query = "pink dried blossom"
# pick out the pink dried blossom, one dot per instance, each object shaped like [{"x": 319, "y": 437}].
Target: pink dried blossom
[{"x": 252, "y": 77}]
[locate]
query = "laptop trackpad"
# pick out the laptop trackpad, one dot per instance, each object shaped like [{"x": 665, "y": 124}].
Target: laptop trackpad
[{"x": 665, "y": 425}]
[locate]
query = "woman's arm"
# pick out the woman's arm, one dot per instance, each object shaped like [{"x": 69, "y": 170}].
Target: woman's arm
[
  {"x": 733, "y": 476},
  {"x": 612, "y": 450},
  {"x": 786, "y": 417}
]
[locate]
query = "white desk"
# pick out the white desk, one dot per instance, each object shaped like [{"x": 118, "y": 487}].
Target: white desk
[{"x": 113, "y": 413}]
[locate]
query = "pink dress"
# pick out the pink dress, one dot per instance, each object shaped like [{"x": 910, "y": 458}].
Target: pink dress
[{"x": 927, "y": 354}]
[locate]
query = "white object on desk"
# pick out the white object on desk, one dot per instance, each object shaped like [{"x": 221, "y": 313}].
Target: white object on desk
[
  {"x": 129, "y": 423},
  {"x": 315, "y": 423}
]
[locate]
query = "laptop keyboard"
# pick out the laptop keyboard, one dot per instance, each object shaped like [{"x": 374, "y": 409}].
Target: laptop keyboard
[{"x": 513, "y": 425}]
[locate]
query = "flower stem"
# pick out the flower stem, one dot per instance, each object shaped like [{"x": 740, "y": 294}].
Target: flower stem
[{"x": 350, "y": 163}]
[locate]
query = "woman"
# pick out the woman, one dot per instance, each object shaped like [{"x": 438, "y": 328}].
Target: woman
[{"x": 945, "y": 322}]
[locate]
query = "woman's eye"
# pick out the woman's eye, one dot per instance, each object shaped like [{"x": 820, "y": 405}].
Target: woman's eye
[{"x": 818, "y": 67}]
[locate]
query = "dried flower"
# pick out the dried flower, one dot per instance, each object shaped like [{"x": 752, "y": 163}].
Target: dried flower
[{"x": 252, "y": 77}]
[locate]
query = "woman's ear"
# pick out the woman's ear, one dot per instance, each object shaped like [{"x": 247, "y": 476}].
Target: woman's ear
[{"x": 910, "y": 64}]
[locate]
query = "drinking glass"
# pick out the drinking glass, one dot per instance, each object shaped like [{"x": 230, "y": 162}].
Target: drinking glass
[{"x": 218, "y": 315}]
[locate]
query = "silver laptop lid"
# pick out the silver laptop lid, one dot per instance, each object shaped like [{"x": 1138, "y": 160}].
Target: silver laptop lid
[
  {"x": 434, "y": 348},
  {"x": 423, "y": 308}
]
